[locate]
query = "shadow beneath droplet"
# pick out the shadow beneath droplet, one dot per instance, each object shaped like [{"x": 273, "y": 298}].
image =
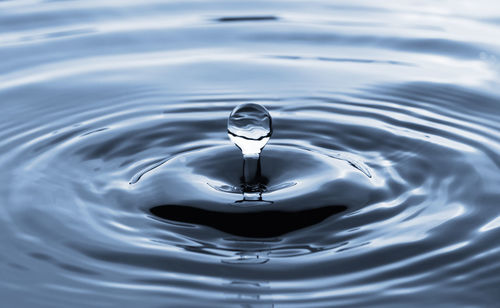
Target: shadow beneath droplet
[{"x": 258, "y": 224}]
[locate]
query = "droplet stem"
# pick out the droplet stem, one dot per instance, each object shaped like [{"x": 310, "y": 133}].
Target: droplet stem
[{"x": 251, "y": 172}]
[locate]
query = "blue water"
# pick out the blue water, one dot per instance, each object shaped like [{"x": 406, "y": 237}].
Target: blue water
[{"x": 119, "y": 185}]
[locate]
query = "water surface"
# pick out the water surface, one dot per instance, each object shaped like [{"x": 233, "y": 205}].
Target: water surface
[{"x": 117, "y": 174}]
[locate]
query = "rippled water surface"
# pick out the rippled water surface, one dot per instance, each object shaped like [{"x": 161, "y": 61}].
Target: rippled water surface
[{"x": 120, "y": 187}]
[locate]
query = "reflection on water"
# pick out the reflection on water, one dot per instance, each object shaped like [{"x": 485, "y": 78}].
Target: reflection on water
[{"x": 120, "y": 187}]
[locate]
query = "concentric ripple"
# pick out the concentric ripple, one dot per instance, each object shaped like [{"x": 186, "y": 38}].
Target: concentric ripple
[{"x": 120, "y": 186}]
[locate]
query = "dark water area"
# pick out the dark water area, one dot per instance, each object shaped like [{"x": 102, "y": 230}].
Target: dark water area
[
  {"x": 119, "y": 186},
  {"x": 264, "y": 222}
]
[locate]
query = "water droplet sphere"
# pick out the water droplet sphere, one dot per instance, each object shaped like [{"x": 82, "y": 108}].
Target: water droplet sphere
[{"x": 249, "y": 127}]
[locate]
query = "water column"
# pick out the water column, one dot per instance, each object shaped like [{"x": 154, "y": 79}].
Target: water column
[{"x": 250, "y": 127}]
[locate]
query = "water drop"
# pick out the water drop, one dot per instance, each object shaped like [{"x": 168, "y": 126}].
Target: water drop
[{"x": 249, "y": 127}]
